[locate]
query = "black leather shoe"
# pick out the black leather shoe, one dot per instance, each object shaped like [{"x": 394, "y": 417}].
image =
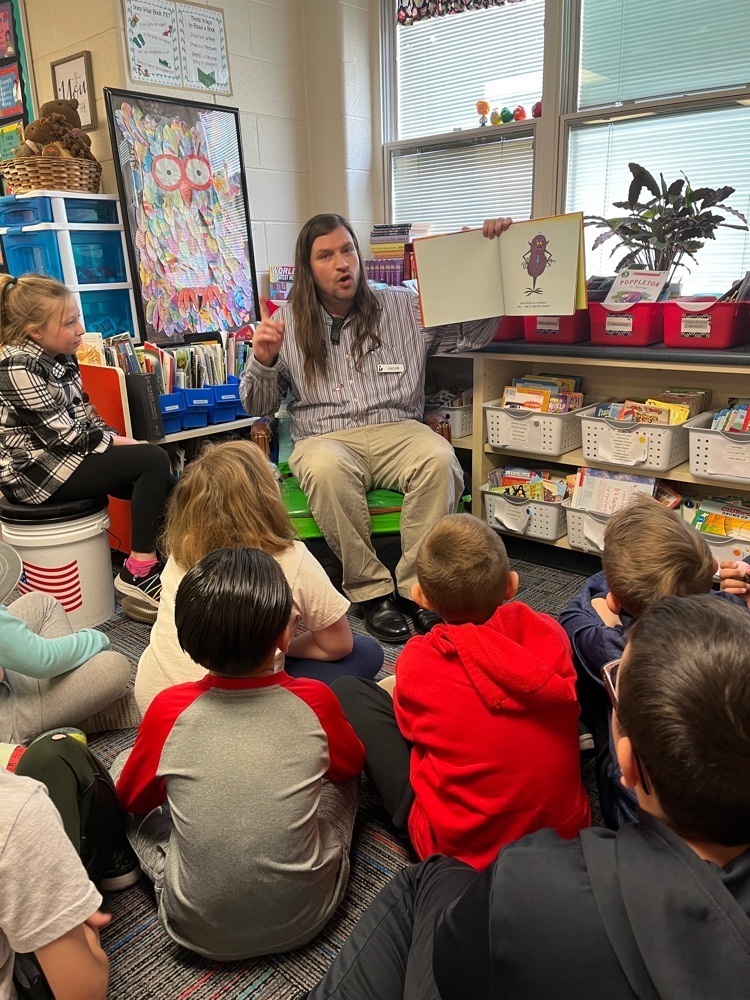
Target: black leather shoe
[
  {"x": 384, "y": 621},
  {"x": 423, "y": 619}
]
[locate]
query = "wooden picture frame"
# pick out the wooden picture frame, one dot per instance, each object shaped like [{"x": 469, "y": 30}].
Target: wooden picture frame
[{"x": 72, "y": 78}]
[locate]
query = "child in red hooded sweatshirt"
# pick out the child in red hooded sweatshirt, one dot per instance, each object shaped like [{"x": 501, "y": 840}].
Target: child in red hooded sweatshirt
[{"x": 479, "y": 745}]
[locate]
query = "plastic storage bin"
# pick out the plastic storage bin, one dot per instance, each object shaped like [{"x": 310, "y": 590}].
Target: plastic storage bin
[
  {"x": 91, "y": 212},
  {"x": 718, "y": 454},
  {"x": 107, "y": 312},
  {"x": 710, "y": 325},
  {"x": 225, "y": 399},
  {"x": 33, "y": 253},
  {"x": 97, "y": 257},
  {"x": 509, "y": 328},
  {"x": 730, "y": 549},
  {"x": 557, "y": 329},
  {"x": 240, "y": 413},
  {"x": 638, "y": 326},
  {"x": 528, "y": 431},
  {"x": 585, "y": 529},
  {"x": 460, "y": 418},
  {"x": 197, "y": 405},
  {"x": 15, "y": 212},
  {"x": 532, "y": 518},
  {"x": 172, "y": 406},
  {"x": 645, "y": 447}
]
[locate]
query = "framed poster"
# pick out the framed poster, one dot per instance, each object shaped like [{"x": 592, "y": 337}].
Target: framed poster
[
  {"x": 8, "y": 44},
  {"x": 151, "y": 29},
  {"x": 181, "y": 180},
  {"x": 72, "y": 78},
  {"x": 11, "y": 95}
]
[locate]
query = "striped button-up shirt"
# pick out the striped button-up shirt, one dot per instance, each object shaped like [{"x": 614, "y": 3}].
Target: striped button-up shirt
[
  {"x": 47, "y": 426},
  {"x": 386, "y": 386}
]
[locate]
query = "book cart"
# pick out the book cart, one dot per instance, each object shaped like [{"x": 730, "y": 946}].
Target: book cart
[{"x": 708, "y": 460}]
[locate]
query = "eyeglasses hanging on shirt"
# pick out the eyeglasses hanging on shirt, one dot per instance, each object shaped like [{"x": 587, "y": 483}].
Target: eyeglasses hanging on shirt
[{"x": 336, "y": 325}]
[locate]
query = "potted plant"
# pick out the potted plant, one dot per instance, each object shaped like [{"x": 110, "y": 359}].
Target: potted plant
[{"x": 659, "y": 233}]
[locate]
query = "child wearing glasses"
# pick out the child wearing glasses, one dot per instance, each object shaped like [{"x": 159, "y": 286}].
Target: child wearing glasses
[
  {"x": 650, "y": 553},
  {"x": 660, "y": 908}
]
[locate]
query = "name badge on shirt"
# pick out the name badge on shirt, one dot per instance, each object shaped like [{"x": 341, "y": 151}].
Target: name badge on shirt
[{"x": 385, "y": 369}]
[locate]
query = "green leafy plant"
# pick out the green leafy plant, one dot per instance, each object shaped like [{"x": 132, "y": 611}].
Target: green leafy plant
[{"x": 658, "y": 234}]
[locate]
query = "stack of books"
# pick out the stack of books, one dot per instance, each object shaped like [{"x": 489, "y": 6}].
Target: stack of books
[
  {"x": 518, "y": 482},
  {"x": 543, "y": 393},
  {"x": 673, "y": 406},
  {"x": 385, "y": 266},
  {"x": 733, "y": 417},
  {"x": 603, "y": 492}
]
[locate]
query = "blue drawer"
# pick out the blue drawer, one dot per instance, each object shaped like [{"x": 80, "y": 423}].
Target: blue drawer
[
  {"x": 98, "y": 257},
  {"x": 172, "y": 406},
  {"x": 33, "y": 253},
  {"x": 16, "y": 212},
  {"x": 197, "y": 407},
  {"x": 91, "y": 212}
]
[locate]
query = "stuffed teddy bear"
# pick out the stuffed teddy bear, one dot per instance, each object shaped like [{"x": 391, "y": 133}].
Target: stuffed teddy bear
[
  {"x": 54, "y": 137},
  {"x": 69, "y": 110}
]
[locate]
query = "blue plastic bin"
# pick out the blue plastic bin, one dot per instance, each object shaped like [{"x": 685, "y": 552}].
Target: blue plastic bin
[
  {"x": 197, "y": 406},
  {"x": 98, "y": 257},
  {"x": 15, "y": 212},
  {"x": 172, "y": 406},
  {"x": 240, "y": 413},
  {"x": 91, "y": 212},
  {"x": 226, "y": 398},
  {"x": 33, "y": 253},
  {"x": 107, "y": 312}
]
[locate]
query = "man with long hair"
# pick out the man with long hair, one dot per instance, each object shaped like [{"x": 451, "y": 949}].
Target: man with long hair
[{"x": 354, "y": 360}]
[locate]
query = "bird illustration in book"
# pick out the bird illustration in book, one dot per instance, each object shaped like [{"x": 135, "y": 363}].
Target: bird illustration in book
[
  {"x": 190, "y": 232},
  {"x": 536, "y": 260}
]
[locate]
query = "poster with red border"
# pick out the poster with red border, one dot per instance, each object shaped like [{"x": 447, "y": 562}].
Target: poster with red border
[{"x": 11, "y": 95}]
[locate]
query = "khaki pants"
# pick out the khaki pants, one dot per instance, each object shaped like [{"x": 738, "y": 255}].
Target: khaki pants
[{"x": 336, "y": 470}]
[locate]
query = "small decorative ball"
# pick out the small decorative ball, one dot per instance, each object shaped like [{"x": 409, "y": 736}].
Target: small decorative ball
[
  {"x": 519, "y": 113},
  {"x": 536, "y": 110},
  {"x": 506, "y": 115}
]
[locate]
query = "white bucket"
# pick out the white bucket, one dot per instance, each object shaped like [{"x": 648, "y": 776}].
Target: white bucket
[{"x": 70, "y": 560}]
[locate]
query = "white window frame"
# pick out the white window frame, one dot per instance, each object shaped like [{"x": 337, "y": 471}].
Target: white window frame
[{"x": 551, "y": 132}]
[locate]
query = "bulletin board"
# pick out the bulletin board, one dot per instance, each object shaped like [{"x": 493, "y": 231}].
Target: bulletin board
[
  {"x": 181, "y": 180},
  {"x": 16, "y": 85}
]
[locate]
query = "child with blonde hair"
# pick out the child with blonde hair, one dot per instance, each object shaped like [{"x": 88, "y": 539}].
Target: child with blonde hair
[
  {"x": 54, "y": 446},
  {"x": 228, "y": 497},
  {"x": 650, "y": 553}
]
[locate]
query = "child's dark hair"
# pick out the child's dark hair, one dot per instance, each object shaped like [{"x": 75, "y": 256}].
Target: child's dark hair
[
  {"x": 684, "y": 701},
  {"x": 463, "y": 568},
  {"x": 231, "y": 608}
]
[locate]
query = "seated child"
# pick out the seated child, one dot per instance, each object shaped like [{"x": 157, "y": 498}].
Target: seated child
[
  {"x": 659, "y": 909},
  {"x": 650, "y": 552},
  {"x": 229, "y": 496},
  {"x": 61, "y": 830},
  {"x": 50, "y": 676},
  {"x": 480, "y": 743},
  {"x": 257, "y": 769}
]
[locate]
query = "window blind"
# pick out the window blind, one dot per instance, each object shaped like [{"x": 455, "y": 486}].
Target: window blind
[
  {"x": 697, "y": 144},
  {"x": 457, "y": 186},
  {"x": 637, "y": 49},
  {"x": 445, "y": 65}
]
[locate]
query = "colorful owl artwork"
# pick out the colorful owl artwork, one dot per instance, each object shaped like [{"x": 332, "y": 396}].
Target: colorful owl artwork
[{"x": 194, "y": 267}]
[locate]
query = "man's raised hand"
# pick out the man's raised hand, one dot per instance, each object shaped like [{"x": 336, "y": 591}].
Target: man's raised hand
[{"x": 268, "y": 336}]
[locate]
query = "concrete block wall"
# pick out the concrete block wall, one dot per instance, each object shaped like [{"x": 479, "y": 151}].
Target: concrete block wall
[{"x": 302, "y": 77}]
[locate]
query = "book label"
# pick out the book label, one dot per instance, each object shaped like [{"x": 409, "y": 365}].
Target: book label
[
  {"x": 619, "y": 325},
  {"x": 622, "y": 447},
  {"x": 526, "y": 433},
  {"x": 696, "y": 327},
  {"x": 593, "y": 532},
  {"x": 721, "y": 453},
  {"x": 513, "y": 516},
  {"x": 548, "y": 324}
]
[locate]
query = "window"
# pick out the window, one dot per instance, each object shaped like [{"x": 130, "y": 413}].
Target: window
[
  {"x": 658, "y": 84},
  {"x": 441, "y": 167}
]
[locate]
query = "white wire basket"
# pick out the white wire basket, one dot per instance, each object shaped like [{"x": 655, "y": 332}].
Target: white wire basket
[
  {"x": 718, "y": 454},
  {"x": 646, "y": 447},
  {"x": 532, "y": 518},
  {"x": 528, "y": 431}
]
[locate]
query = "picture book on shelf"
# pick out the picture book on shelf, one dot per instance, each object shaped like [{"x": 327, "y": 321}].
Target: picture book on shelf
[
  {"x": 534, "y": 268},
  {"x": 605, "y": 492}
]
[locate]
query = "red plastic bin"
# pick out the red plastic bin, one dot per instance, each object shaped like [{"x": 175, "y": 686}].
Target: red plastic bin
[
  {"x": 639, "y": 326},
  {"x": 509, "y": 328},
  {"x": 717, "y": 325},
  {"x": 557, "y": 329}
]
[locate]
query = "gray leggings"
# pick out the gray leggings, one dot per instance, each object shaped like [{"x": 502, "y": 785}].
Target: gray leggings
[{"x": 29, "y": 706}]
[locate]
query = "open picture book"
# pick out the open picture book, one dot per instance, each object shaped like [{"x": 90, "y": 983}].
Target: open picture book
[{"x": 534, "y": 268}]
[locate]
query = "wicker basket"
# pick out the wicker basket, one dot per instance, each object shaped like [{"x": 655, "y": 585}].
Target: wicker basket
[{"x": 50, "y": 173}]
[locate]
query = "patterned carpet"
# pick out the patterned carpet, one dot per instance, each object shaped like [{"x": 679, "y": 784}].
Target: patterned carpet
[{"x": 147, "y": 965}]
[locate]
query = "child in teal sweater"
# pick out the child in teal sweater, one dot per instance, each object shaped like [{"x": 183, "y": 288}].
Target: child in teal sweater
[{"x": 50, "y": 676}]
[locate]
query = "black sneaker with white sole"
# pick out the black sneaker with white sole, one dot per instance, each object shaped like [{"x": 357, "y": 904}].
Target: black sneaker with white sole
[
  {"x": 145, "y": 589},
  {"x": 122, "y": 870}
]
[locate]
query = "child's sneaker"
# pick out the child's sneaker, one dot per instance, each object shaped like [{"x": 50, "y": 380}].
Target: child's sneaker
[
  {"x": 145, "y": 589},
  {"x": 139, "y": 611},
  {"x": 121, "y": 872}
]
